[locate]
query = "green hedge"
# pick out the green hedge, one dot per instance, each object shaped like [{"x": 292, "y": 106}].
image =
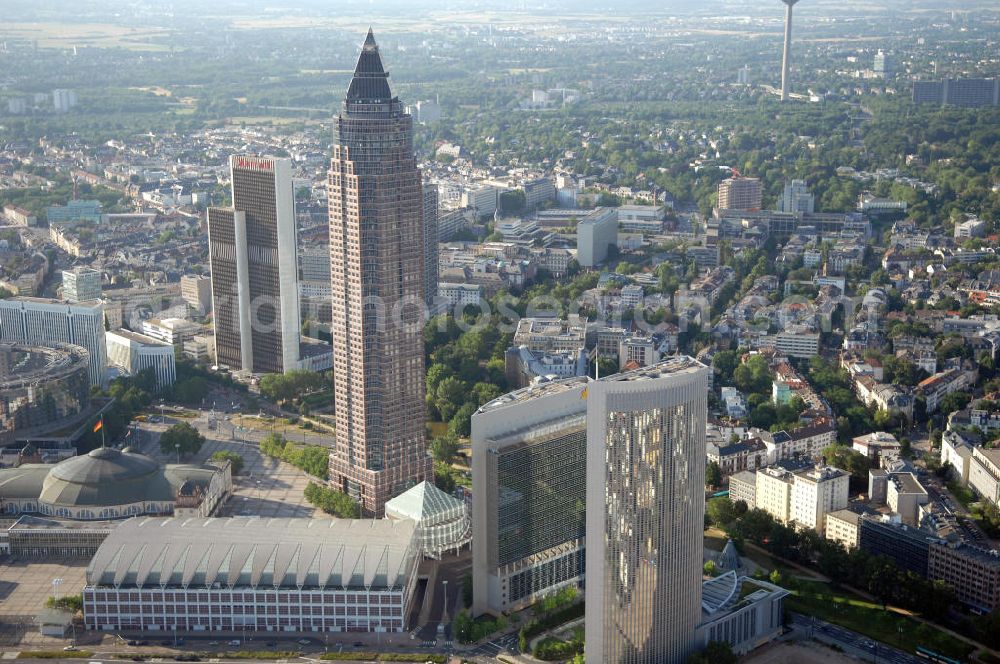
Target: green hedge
[
  {"x": 539, "y": 625},
  {"x": 256, "y": 654},
  {"x": 551, "y": 649},
  {"x": 55, "y": 654},
  {"x": 384, "y": 657}
]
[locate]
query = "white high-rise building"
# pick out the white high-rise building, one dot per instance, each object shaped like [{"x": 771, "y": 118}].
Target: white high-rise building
[
  {"x": 645, "y": 512},
  {"x": 796, "y": 198},
  {"x": 81, "y": 284},
  {"x": 816, "y": 492},
  {"x": 595, "y": 234},
  {"x": 132, "y": 353},
  {"x": 37, "y": 320},
  {"x": 63, "y": 100}
]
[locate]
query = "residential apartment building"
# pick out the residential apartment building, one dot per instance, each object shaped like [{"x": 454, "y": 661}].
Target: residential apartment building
[
  {"x": 806, "y": 442},
  {"x": 938, "y": 386},
  {"x": 843, "y": 526},
  {"x": 19, "y": 216},
  {"x": 877, "y": 446},
  {"x": 747, "y": 454},
  {"x": 956, "y": 451},
  {"x": 816, "y": 492},
  {"x": 81, "y": 284},
  {"x": 774, "y": 492},
  {"x": 984, "y": 473},
  {"x": 743, "y": 486},
  {"x": 973, "y": 573}
]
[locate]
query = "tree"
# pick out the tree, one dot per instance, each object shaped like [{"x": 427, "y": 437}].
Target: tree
[
  {"x": 724, "y": 363},
  {"x": 461, "y": 422},
  {"x": 73, "y": 603},
  {"x": 235, "y": 460},
  {"x": 450, "y": 396},
  {"x": 715, "y": 652},
  {"x": 713, "y": 475},
  {"x": 720, "y": 511},
  {"x": 845, "y": 458},
  {"x": 954, "y": 401},
  {"x": 182, "y": 438},
  {"x": 332, "y": 501},
  {"x": 444, "y": 477},
  {"x": 443, "y": 448}
]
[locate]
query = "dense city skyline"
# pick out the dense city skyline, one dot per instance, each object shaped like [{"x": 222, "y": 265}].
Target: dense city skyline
[{"x": 665, "y": 333}]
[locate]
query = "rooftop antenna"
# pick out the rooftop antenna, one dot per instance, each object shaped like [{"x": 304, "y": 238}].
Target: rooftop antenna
[{"x": 787, "y": 52}]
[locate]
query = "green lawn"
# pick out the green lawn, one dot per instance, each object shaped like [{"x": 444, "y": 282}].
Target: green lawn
[
  {"x": 438, "y": 428},
  {"x": 715, "y": 539},
  {"x": 859, "y": 615}
]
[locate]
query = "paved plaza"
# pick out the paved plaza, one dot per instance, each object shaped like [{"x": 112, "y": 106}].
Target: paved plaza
[
  {"x": 266, "y": 487},
  {"x": 24, "y": 587}
]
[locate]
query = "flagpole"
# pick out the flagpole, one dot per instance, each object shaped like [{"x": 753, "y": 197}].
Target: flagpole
[{"x": 103, "y": 443}]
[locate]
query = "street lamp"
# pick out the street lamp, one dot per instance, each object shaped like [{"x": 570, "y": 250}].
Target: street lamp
[
  {"x": 177, "y": 446},
  {"x": 444, "y": 610}
]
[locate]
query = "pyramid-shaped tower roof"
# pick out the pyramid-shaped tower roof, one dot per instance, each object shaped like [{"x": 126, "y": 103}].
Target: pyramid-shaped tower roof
[{"x": 371, "y": 80}]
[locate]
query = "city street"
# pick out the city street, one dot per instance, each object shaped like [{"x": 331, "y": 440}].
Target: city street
[{"x": 852, "y": 643}]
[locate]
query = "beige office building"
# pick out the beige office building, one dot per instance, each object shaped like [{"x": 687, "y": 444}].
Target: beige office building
[{"x": 739, "y": 193}]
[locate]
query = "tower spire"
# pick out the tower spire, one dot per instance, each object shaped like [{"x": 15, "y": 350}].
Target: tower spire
[{"x": 371, "y": 80}]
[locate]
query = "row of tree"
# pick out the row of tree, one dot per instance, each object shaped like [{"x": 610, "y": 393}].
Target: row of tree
[
  {"x": 313, "y": 459},
  {"x": 332, "y": 501},
  {"x": 876, "y": 575}
]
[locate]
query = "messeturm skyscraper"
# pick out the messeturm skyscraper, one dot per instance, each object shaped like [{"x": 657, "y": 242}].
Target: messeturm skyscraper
[{"x": 377, "y": 274}]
